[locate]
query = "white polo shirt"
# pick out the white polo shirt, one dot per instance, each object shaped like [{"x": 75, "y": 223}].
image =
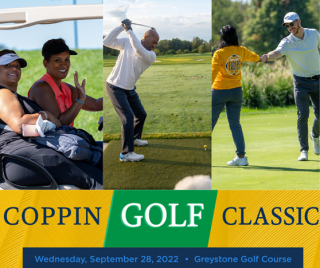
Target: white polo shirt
[
  {"x": 132, "y": 61},
  {"x": 302, "y": 54}
]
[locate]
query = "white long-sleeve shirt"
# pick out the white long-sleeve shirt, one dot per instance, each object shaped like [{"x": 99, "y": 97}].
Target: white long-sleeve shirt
[{"x": 132, "y": 61}]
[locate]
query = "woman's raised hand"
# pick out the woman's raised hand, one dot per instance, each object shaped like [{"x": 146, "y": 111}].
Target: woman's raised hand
[{"x": 81, "y": 89}]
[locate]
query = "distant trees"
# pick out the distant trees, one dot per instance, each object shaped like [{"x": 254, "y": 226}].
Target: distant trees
[
  {"x": 157, "y": 51},
  {"x": 263, "y": 30},
  {"x": 201, "y": 49},
  {"x": 177, "y": 46},
  {"x": 174, "y": 46}
]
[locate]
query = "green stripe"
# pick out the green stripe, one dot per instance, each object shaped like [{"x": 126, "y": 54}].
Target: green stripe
[
  {"x": 109, "y": 218},
  {"x": 119, "y": 235}
]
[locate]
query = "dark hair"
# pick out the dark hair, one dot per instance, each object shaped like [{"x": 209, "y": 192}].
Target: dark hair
[
  {"x": 48, "y": 46},
  {"x": 6, "y": 51},
  {"x": 228, "y": 37}
]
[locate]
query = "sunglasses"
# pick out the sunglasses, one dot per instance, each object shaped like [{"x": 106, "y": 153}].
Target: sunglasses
[{"x": 290, "y": 24}]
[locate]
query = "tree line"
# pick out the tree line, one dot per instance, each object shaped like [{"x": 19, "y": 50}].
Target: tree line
[
  {"x": 173, "y": 46},
  {"x": 177, "y": 46}
]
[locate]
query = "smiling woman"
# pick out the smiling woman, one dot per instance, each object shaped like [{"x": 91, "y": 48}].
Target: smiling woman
[
  {"x": 16, "y": 111},
  {"x": 63, "y": 100}
]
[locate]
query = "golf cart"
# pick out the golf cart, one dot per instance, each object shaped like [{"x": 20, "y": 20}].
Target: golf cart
[{"x": 25, "y": 17}]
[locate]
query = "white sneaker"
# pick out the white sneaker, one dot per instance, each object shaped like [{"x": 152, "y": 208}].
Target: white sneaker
[
  {"x": 238, "y": 161},
  {"x": 133, "y": 157},
  {"x": 316, "y": 144},
  {"x": 303, "y": 156},
  {"x": 138, "y": 142}
]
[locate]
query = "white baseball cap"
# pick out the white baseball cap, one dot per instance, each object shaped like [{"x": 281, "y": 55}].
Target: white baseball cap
[
  {"x": 10, "y": 57},
  {"x": 290, "y": 17}
]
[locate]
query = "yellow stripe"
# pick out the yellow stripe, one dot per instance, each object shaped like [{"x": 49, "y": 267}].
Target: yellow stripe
[
  {"x": 14, "y": 238},
  {"x": 306, "y": 236}
]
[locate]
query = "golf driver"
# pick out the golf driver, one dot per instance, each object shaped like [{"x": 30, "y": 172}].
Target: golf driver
[{"x": 144, "y": 26}]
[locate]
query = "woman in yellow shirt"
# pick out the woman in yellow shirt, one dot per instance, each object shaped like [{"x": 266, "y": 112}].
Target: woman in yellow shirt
[{"x": 227, "y": 62}]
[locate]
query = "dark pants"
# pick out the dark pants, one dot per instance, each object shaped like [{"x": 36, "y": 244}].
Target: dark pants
[
  {"x": 231, "y": 99},
  {"x": 303, "y": 90},
  {"x": 62, "y": 169},
  {"x": 131, "y": 114}
]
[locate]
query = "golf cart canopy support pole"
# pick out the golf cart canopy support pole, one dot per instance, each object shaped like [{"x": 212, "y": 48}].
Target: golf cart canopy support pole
[{"x": 24, "y": 17}]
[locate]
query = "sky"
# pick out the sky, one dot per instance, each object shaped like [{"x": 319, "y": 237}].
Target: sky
[
  {"x": 183, "y": 19},
  {"x": 33, "y": 37}
]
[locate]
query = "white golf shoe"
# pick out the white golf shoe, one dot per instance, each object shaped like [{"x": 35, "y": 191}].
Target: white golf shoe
[
  {"x": 303, "y": 156},
  {"x": 316, "y": 144},
  {"x": 237, "y": 161},
  {"x": 138, "y": 142},
  {"x": 133, "y": 157}
]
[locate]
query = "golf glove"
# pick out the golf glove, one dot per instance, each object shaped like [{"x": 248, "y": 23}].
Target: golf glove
[{"x": 127, "y": 24}]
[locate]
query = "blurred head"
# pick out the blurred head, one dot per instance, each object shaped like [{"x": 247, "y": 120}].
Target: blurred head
[
  {"x": 10, "y": 67},
  {"x": 228, "y": 37},
  {"x": 57, "y": 58},
  {"x": 198, "y": 182},
  {"x": 150, "y": 39}
]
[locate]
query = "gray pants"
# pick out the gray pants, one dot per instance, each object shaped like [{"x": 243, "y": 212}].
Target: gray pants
[
  {"x": 303, "y": 90},
  {"x": 131, "y": 114},
  {"x": 231, "y": 99}
]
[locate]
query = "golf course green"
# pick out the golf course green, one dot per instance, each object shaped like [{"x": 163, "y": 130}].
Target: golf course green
[{"x": 272, "y": 149}]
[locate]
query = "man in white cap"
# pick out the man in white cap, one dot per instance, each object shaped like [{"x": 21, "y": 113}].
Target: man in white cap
[
  {"x": 301, "y": 48},
  {"x": 134, "y": 58}
]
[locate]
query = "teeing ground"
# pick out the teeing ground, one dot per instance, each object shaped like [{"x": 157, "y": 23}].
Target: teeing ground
[{"x": 166, "y": 162}]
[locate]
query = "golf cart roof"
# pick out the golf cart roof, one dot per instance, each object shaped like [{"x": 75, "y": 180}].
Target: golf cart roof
[{"x": 27, "y": 16}]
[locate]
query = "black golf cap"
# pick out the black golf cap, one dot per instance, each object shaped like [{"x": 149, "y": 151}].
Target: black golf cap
[{"x": 57, "y": 48}]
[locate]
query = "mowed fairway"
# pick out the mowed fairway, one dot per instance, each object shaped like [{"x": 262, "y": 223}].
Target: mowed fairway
[
  {"x": 166, "y": 162},
  {"x": 272, "y": 148},
  {"x": 176, "y": 97}
]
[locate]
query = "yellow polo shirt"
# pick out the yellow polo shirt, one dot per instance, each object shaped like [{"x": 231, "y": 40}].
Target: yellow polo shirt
[{"x": 226, "y": 66}]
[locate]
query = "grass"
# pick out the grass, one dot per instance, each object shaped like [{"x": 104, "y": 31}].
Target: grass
[
  {"x": 270, "y": 110},
  {"x": 108, "y": 137},
  {"x": 166, "y": 162},
  {"x": 192, "y": 58},
  {"x": 88, "y": 64},
  {"x": 272, "y": 148},
  {"x": 267, "y": 85},
  {"x": 175, "y": 97}
]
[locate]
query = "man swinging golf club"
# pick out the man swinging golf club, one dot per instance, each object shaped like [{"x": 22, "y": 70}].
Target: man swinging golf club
[
  {"x": 134, "y": 58},
  {"x": 301, "y": 48}
]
